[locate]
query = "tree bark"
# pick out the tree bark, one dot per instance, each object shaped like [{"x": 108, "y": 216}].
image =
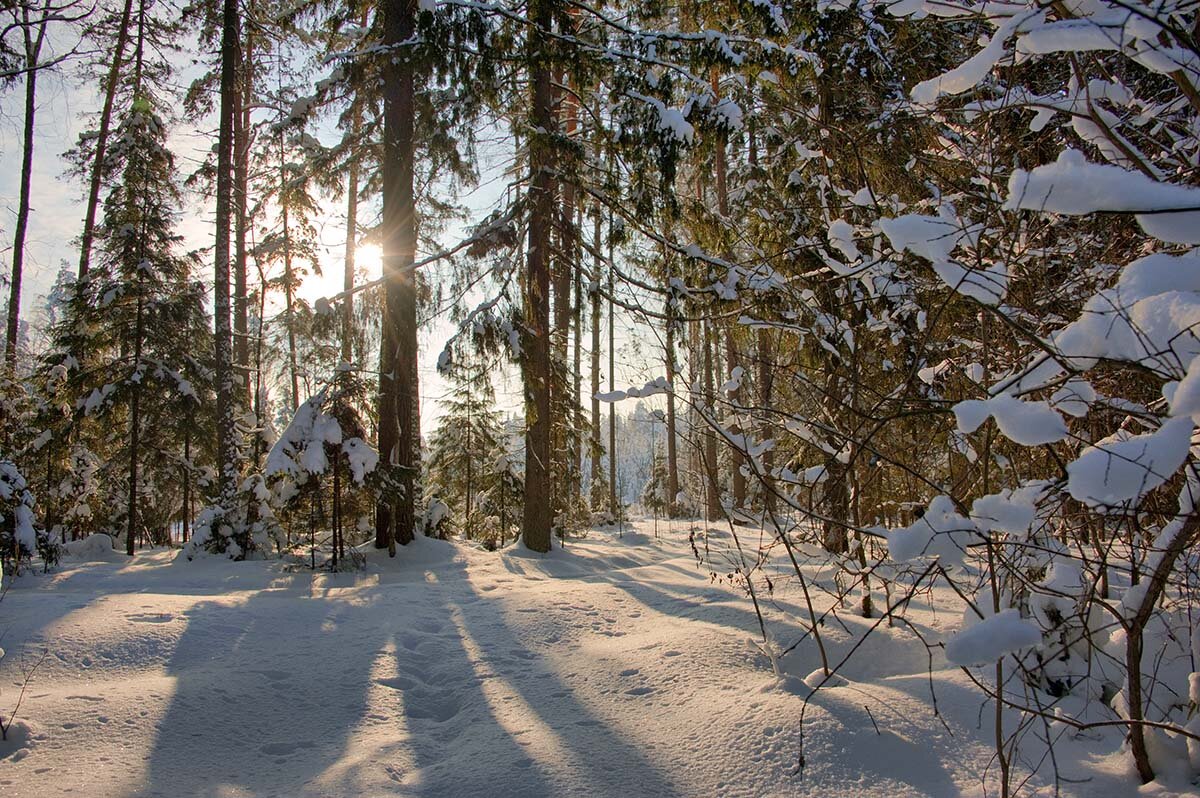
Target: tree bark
[
  {"x": 576, "y": 476},
  {"x": 226, "y": 458},
  {"x": 712, "y": 487},
  {"x": 731, "y": 356},
  {"x": 765, "y": 345},
  {"x": 289, "y": 282},
  {"x": 399, "y": 410},
  {"x": 241, "y": 178},
  {"x": 672, "y": 448},
  {"x": 110, "y": 93},
  {"x": 613, "y": 505},
  {"x": 594, "y": 438},
  {"x": 135, "y": 422},
  {"x": 351, "y": 241},
  {"x": 539, "y": 513},
  {"x": 33, "y": 50}
]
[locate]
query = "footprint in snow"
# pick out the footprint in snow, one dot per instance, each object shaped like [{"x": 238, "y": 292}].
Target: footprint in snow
[
  {"x": 397, "y": 683},
  {"x": 438, "y": 709},
  {"x": 150, "y": 617},
  {"x": 286, "y": 749}
]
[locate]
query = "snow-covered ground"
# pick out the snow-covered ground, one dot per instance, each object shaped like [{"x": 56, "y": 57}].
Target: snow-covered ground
[{"x": 618, "y": 667}]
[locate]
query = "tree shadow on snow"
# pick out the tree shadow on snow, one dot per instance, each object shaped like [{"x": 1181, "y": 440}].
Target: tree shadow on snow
[
  {"x": 520, "y": 731},
  {"x": 414, "y": 687}
]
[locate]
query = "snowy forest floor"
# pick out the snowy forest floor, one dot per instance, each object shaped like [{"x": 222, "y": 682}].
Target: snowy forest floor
[{"x": 617, "y": 667}]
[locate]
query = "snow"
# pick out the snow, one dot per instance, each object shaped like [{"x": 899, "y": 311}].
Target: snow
[
  {"x": 1026, "y": 423},
  {"x": 301, "y": 449},
  {"x": 993, "y": 637},
  {"x": 941, "y": 533},
  {"x": 1012, "y": 511},
  {"x": 1072, "y": 185},
  {"x": 969, "y": 73},
  {"x": 671, "y": 121},
  {"x": 1149, "y": 317},
  {"x": 362, "y": 457},
  {"x": 1124, "y": 467},
  {"x": 615, "y": 667},
  {"x": 655, "y": 386},
  {"x": 934, "y": 238},
  {"x": 1074, "y": 398},
  {"x": 94, "y": 548},
  {"x": 841, "y": 236}
]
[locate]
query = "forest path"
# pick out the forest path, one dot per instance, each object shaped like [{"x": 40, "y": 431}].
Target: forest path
[{"x": 617, "y": 667}]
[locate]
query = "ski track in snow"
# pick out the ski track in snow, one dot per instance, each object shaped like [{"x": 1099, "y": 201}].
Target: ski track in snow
[{"x": 614, "y": 668}]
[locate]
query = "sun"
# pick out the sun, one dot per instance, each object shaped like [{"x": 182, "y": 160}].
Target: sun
[
  {"x": 368, "y": 265},
  {"x": 368, "y": 261}
]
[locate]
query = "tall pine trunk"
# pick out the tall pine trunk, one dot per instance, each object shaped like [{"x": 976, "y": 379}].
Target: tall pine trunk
[
  {"x": 351, "y": 241},
  {"x": 398, "y": 399},
  {"x": 577, "y": 374},
  {"x": 110, "y": 93},
  {"x": 595, "y": 446},
  {"x": 613, "y": 506},
  {"x": 241, "y": 178},
  {"x": 765, "y": 346},
  {"x": 135, "y": 420},
  {"x": 35, "y": 34},
  {"x": 672, "y": 448},
  {"x": 227, "y": 465},
  {"x": 539, "y": 512},
  {"x": 289, "y": 282},
  {"x": 731, "y": 354},
  {"x": 712, "y": 487}
]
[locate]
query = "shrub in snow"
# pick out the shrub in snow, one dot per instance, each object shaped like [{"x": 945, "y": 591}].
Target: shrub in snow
[
  {"x": 20, "y": 538},
  {"x": 322, "y": 473},
  {"x": 97, "y": 547}
]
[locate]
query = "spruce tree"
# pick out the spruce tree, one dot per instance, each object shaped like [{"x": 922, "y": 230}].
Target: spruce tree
[
  {"x": 132, "y": 345},
  {"x": 466, "y": 458}
]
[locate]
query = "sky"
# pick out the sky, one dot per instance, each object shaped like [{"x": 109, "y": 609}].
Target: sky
[{"x": 57, "y": 211}]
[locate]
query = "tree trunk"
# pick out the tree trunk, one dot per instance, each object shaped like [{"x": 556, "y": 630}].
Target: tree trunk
[
  {"x": 737, "y": 459},
  {"x": 289, "y": 281},
  {"x": 576, "y": 475},
  {"x": 351, "y": 241},
  {"x": 594, "y": 438},
  {"x": 1185, "y": 538},
  {"x": 613, "y": 506},
  {"x": 398, "y": 399},
  {"x": 712, "y": 487},
  {"x": 135, "y": 420},
  {"x": 33, "y": 49},
  {"x": 672, "y": 448},
  {"x": 110, "y": 93},
  {"x": 226, "y": 457},
  {"x": 241, "y": 179},
  {"x": 187, "y": 481},
  {"x": 539, "y": 513}
]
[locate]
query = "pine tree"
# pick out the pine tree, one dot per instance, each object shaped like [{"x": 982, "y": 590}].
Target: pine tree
[
  {"x": 132, "y": 344},
  {"x": 466, "y": 460},
  {"x": 326, "y": 437}
]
